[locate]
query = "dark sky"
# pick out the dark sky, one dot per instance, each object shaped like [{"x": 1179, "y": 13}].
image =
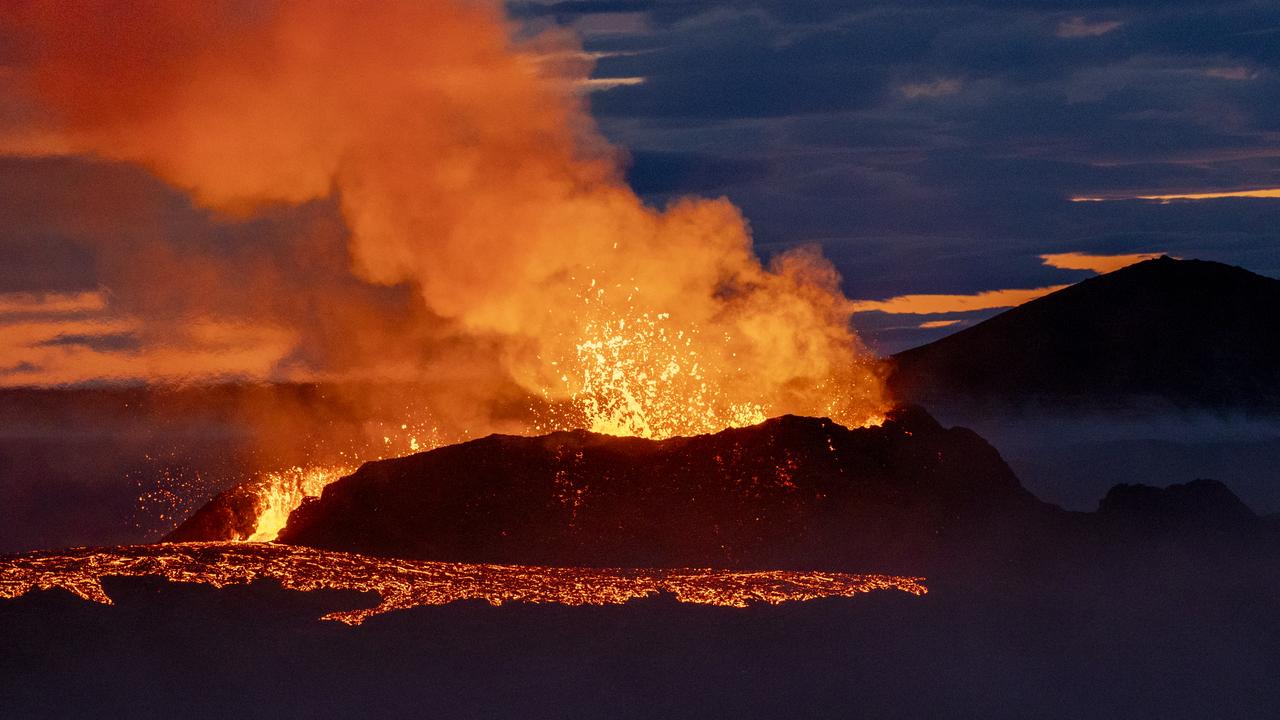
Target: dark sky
[{"x": 933, "y": 147}]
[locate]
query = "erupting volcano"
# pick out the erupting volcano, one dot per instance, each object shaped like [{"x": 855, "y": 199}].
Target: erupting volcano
[
  {"x": 366, "y": 312},
  {"x": 795, "y": 493},
  {"x": 485, "y": 251},
  {"x": 474, "y": 241},
  {"x": 473, "y": 236}
]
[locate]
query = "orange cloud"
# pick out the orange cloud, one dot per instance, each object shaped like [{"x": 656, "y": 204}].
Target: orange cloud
[
  {"x": 72, "y": 338},
  {"x": 932, "y": 324},
  {"x": 608, "y": 83},
  {"x": 67, "y": 349},
  {"x": 1261, "y": 193},
  {"x": 39, "y": 303},
  {"x": 1096, "y": 263},
  {"x": 941, "y": 304}
]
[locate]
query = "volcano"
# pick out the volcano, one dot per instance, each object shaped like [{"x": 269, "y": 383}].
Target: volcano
[
  {"x": 792, "y": 492},
  {"x": 906, "y": 497},
  {"x": 1187, "y": 333}
]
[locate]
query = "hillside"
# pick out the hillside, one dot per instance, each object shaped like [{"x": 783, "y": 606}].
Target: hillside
[
  {"x": 792, "y": 492},
  {"x": 1187, "y": 333}
]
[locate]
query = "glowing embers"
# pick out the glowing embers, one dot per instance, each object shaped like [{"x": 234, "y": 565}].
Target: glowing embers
[
  {"x": 633, "y": 369},
  {"x": 641, "y": 374},
  {"x": 404, "y": 584},
  {"x": 257, "y": 509}
]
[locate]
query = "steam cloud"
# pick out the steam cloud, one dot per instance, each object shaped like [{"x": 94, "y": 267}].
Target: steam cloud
[{"x": 485, "y": 242}]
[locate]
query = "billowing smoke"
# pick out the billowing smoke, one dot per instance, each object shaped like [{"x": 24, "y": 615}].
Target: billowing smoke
[{"x": 482, "y": 240}]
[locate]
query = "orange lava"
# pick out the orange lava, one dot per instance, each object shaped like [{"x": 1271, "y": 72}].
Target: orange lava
[
  {"x": 404, "y": 584},
  {"x": 281, "y": 492}
]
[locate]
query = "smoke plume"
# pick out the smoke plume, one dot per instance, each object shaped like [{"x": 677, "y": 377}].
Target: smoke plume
[{"x": 481, "y": 239}]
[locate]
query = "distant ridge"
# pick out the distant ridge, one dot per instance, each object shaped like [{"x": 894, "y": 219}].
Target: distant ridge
[{"x": 1187, "y": 333}]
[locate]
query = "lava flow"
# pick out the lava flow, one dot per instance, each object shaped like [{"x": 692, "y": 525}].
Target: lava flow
[{"x": 404, "y": 584}]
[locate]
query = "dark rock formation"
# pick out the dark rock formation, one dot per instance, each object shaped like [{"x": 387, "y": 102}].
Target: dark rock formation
[
  {"x": 1187, "y": 333},
  {"x": 792, "y": 492},
  {"x": 1200, "y": 504},
  {"x": 230, "y": 515}
]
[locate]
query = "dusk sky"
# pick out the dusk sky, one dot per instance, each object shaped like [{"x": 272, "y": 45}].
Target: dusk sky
[
  {"x": 981, "y": 152},
  {"x": 936, "y": 147}
]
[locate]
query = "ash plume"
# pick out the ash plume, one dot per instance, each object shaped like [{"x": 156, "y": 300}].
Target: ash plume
[{"x": 465, "y": 226}]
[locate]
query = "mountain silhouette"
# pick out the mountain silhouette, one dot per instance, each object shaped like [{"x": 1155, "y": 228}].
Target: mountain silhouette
[
  {"x": 1207, "y": 504},
  {"x": 1187, "y": 333}
]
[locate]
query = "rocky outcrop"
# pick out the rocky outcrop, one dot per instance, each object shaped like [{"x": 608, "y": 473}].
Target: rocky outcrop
[
  {"x": 230, "y": 515},
  {"x": 792, "y": 492},
  {"x": 1200, "y": 504}
]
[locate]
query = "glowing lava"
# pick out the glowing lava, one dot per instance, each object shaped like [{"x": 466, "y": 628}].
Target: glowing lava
[
  {"x": 280, "y": 493},
  {"x": 642, "y": 375},
  {"x": 637, "y": 369},
  {"x": 274, "y": 494},
  {"x": 404, "y": 584}
]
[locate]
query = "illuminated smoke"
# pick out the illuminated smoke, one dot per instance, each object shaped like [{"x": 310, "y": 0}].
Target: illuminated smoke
[{"x": 468, "y": 174}]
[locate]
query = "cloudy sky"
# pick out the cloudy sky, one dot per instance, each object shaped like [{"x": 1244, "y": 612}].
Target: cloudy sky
[
  {"x": 951, "y": 159},
  {"x": 936, "y": 147}
]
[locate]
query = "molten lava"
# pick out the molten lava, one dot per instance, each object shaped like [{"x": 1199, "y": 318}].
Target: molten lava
[
  {"x": 404, "y": 584},
  {"x": 641, "y": 371},
  {"x": 280, "y": 493}
]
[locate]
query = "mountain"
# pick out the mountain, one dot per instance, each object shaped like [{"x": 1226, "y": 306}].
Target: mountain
[
  {"x": 1207, "y": 504},
  {"x": 792, "y": 492},
  {"x": 1188, "y": 333}
]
